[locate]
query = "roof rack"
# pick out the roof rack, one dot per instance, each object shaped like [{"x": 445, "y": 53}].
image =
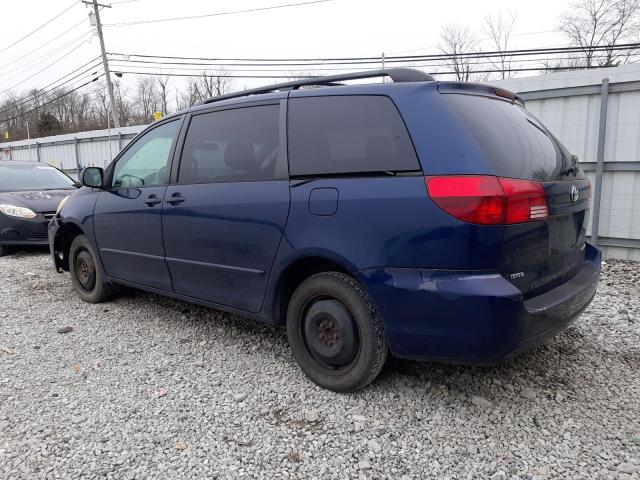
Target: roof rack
[{"x": 395, "y": 74}]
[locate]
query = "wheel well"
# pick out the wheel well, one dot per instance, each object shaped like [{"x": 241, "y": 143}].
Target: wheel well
[
  {"x": 68, "y": 233},
  {"x": 294, "y": 275}
]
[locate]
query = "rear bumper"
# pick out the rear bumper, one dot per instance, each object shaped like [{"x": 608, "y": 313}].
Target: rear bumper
[
  {"x": 473, "y": 317},
  {"x": 19, "y": 231}
]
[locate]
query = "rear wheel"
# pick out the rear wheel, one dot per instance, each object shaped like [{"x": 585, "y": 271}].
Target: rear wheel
[
  {"x": 335, "y": 332},
  {"x": 86, "y": 277}
]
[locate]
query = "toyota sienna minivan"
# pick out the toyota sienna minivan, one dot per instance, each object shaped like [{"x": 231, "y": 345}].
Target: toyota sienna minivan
[{"x": 416, "y": 218}]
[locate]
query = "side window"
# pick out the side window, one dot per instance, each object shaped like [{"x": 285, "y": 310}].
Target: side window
[
  {"x": 348, "y": 134},
  {"x": 146, "y": 162},
  {"x": 231, "y": 146}
]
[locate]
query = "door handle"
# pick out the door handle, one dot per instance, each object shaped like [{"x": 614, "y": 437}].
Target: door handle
[
  {"x": 152, "y": 200},
  {"x": 175, "y": 199}
]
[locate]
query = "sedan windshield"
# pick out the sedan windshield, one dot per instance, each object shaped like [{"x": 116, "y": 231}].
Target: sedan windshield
[{"x": 14, "y": 178}]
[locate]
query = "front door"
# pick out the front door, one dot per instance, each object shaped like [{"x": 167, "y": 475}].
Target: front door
[
  {"x": 224, "y": 218},
  {"x": 127, "y": 216}
]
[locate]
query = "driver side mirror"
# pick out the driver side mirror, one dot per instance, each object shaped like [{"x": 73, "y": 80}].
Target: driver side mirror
[{"x": 92, "y": 177}]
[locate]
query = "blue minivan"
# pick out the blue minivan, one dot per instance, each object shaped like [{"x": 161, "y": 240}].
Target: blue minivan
[{"x": 416, "y": 218}]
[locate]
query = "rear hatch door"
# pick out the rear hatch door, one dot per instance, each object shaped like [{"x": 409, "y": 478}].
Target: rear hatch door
[{"x": 539, "y": 255}]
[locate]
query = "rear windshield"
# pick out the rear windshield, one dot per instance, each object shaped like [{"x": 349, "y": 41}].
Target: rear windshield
[
  {"x": 512, "y": 139},
  {"x": 14, "y": 178}
]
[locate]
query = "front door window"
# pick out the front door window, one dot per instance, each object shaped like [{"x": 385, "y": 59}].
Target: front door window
[{"x": 146, "y": 163}]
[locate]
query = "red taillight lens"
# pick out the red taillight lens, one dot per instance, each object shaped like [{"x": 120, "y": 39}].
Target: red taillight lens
[
  {"x": 488, "y": 200},
  {"x": 526, "y": 201},
  {"x": 477, "y": 199}
]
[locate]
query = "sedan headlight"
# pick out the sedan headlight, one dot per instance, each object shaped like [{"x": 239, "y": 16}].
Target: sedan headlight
[
  {"x": 61, "y": 204},
  {"x": 15, "y": 211}
]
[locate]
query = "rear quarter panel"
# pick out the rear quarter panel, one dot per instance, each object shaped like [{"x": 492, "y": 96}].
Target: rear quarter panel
[{"x": 380, "y": 222}]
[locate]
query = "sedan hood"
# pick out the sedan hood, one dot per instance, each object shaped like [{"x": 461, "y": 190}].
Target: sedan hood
[{"x": 38, "y": 201}]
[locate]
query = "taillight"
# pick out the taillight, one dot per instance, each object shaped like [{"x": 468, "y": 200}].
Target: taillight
[{"x": 489, "y": 200}]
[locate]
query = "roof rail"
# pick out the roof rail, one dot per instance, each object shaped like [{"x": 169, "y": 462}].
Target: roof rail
[{"x": 395, "y": 74}]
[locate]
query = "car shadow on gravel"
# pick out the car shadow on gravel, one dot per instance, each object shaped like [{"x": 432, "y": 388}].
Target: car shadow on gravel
[{"x": 550, "y": 364}]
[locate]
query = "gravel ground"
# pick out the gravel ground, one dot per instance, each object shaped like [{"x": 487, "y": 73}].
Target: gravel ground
[{"x": 148, "y": 387}]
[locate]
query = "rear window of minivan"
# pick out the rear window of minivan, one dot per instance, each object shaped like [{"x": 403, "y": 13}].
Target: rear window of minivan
[
  {"x": 348, "y": 134},
  {"x": 515, "y": 143}
]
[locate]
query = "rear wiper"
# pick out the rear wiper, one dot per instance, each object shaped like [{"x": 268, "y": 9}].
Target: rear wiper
[{"x": 573, "y": 168}]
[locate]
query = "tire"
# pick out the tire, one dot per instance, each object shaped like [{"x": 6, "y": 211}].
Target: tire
[
  {"x": 335, "y": 332},
  {"x": 86, "y": 277},
  {"x": 4, "y": 250}
]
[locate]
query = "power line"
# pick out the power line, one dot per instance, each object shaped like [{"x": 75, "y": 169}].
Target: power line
[
  {"x": 318, "y": 66},
  {"x": 484, "y": 39},
  {"x": 33, "y": 101},
  {"x": 40, "y": 27},
  {"x": 45, "y": 68},
  {"x": 24, "y": 55},
  {"x": 43, "y": 91},
  {"x": 4, "y": 120},
  {"x": 29, "y": 65},
  {"x": 217, "y": 14},
  {"x": 122, "y": 64},
  {"x": 545, "y": 50},
  {"x": 227, "y": 75}
]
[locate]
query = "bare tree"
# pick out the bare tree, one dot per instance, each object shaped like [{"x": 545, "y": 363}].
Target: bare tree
[
  {"x": 189, "y": 95},
  {"x": 125, "y": 107},
  {"x": 499, "y": 28},
  {"x": 101, "y": 101},
  {"x": 590, "y": 24},
  {"x": 162, "y": 81},
  {"x": 63, "y": 109},
  {"x": 213, "y": 85},
  {"x": 455, "y": 41},
  {"x": 146, "y": 100}
]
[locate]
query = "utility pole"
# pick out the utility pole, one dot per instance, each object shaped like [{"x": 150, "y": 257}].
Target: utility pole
[{"x": 114, "y": 106}]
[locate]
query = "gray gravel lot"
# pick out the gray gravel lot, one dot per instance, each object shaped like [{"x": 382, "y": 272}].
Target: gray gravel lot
[{"x": 148, "y": 387}]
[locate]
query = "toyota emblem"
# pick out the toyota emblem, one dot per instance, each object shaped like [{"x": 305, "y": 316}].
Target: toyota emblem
[{"x": 575, "y": 194}]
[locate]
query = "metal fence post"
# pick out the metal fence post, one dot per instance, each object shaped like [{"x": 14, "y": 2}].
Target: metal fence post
[
  {"x": 77, "y": 154},
  {"x": 37, "y": 151},
  {"x": 119, "y": 141},
  {"x": 602, "y": 130}
]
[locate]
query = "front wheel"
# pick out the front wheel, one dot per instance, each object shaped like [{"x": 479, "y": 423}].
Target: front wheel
[
  {"x": 335, "y": 332},
  {"x": 86, "y": 277}
]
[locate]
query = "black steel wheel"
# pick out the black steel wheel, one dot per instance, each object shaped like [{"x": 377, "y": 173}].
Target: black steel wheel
[
  {"x": 85, "y": 270},
  {"x": 335, "y": 332},
  {"x": 330, "y": 333},
  {"x": 86, "y": 276}
]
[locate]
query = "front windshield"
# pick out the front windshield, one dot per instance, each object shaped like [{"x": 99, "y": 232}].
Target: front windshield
[{"x": 14, "y": 178}]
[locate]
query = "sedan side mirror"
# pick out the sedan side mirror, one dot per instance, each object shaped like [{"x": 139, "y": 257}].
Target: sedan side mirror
[{"x": 92, "y": 177}]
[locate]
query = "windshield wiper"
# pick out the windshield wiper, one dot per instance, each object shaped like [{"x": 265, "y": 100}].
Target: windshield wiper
[{"x": 574, "y": 168}]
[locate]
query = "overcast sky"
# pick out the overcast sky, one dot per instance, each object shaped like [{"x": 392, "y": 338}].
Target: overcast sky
[{"x": 335, "y": 28}]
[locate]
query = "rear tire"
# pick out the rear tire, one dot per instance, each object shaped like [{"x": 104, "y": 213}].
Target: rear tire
[
  {"x": 335, "y": 332},
  {"x": 86, "y": 276}
]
